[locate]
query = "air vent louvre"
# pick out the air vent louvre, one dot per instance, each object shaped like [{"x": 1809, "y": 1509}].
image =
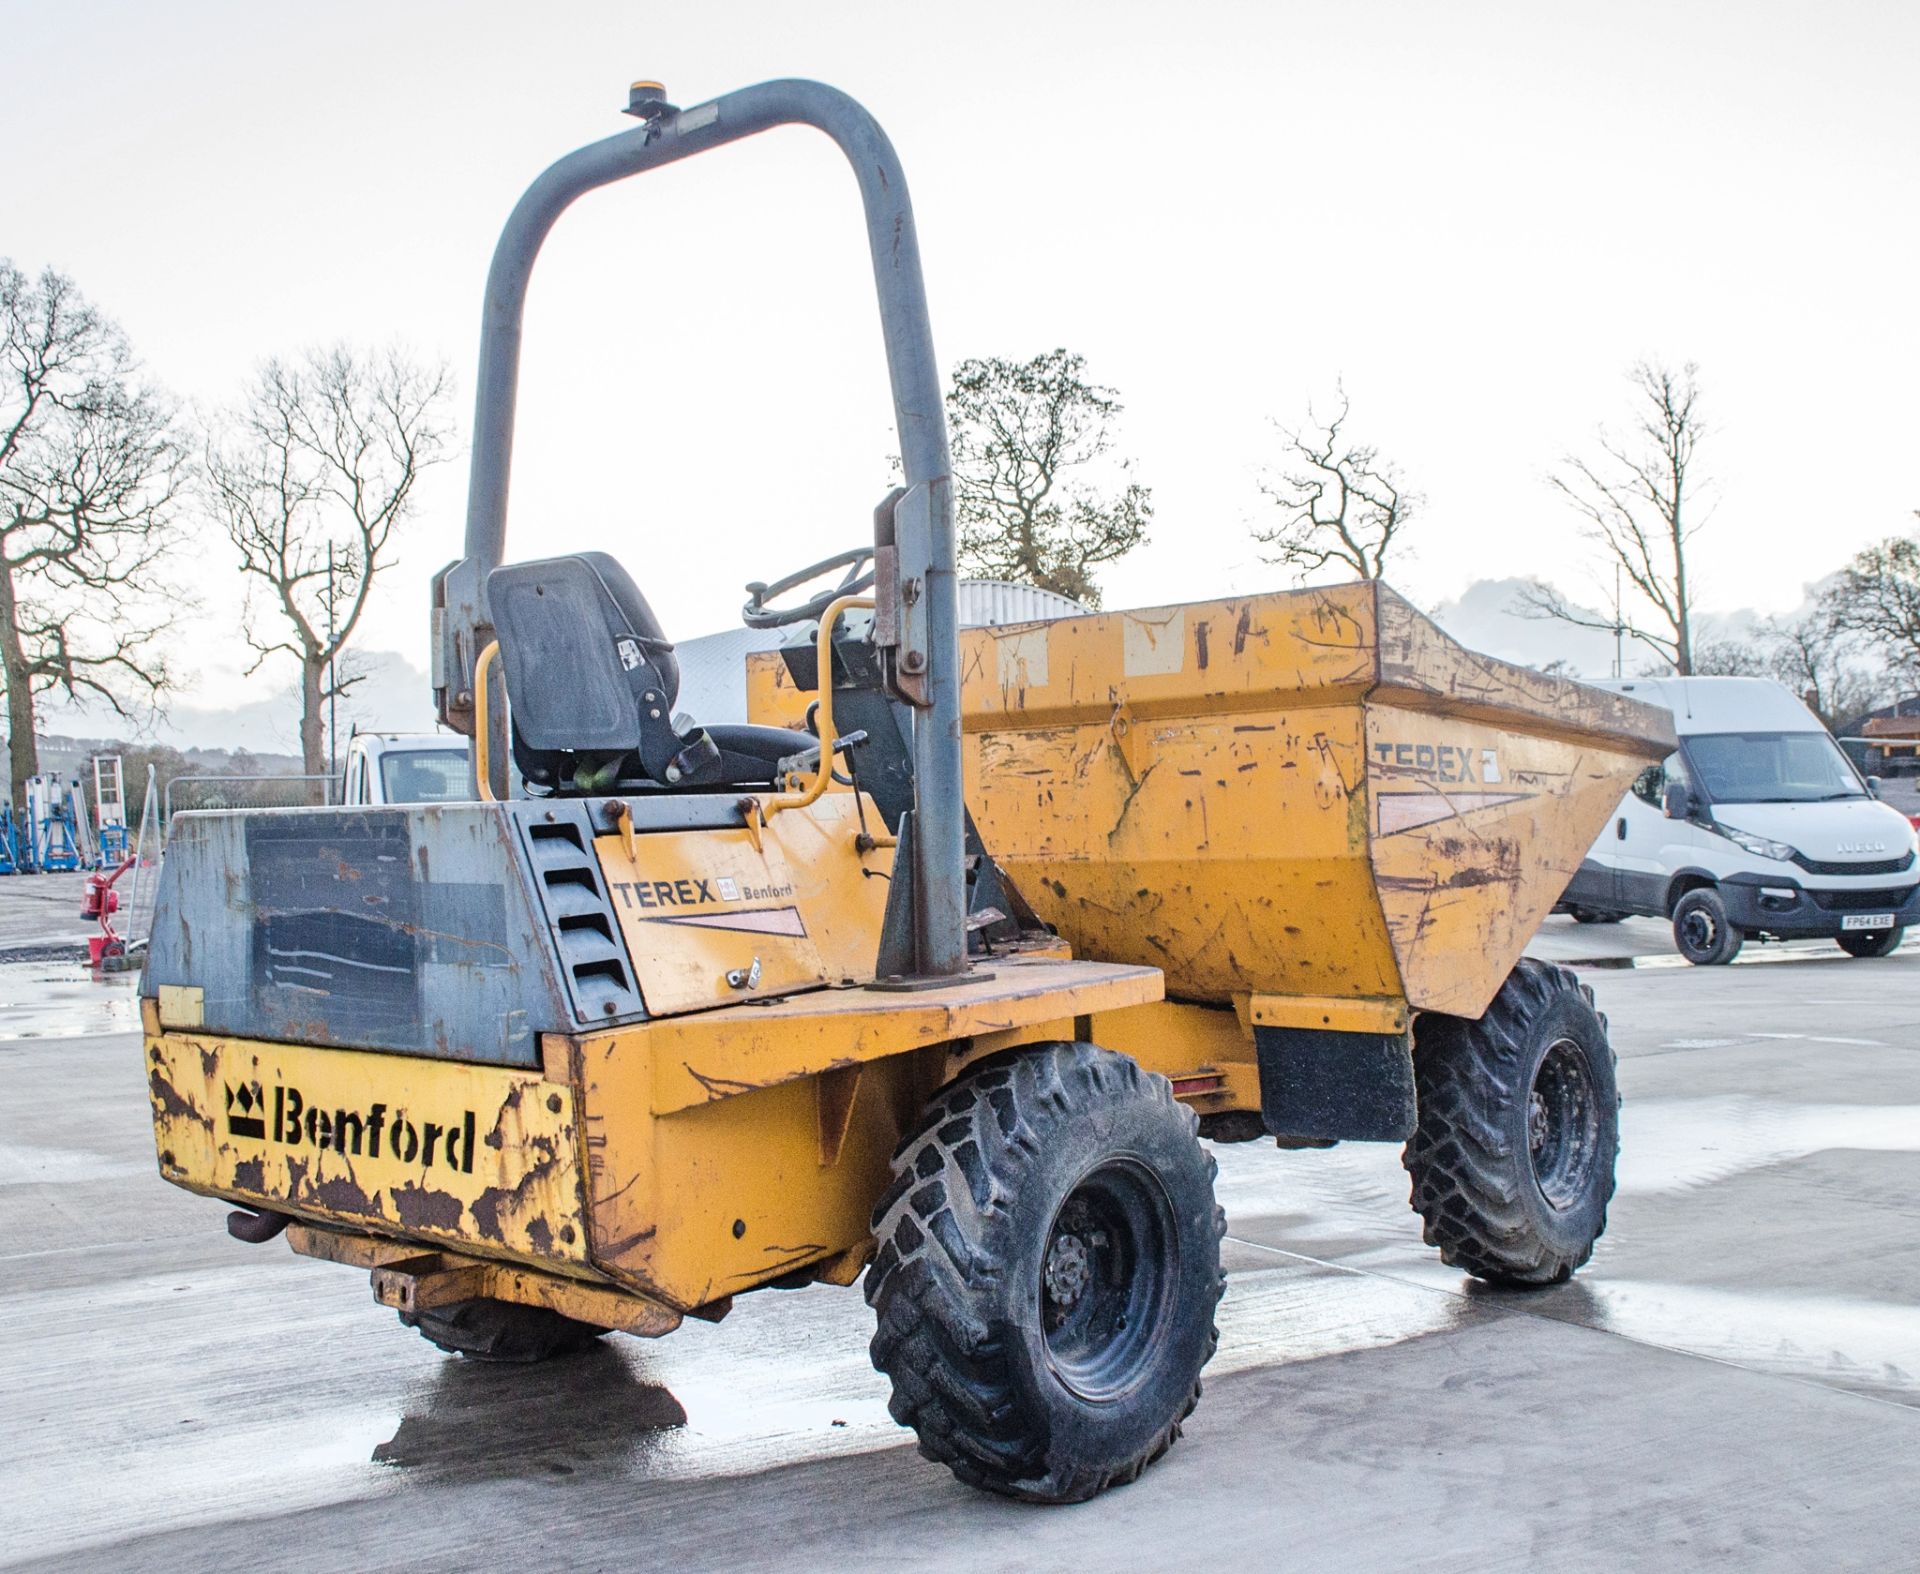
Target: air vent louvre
[{"x": 593, "y": 958}]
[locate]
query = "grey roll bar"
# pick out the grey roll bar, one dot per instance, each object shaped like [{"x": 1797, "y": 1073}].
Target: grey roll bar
[{"x": 914, "y": 536}]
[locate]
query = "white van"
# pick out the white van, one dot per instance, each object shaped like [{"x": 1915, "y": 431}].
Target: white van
[
  {"x": 406, "y": 767},
  {"x": 1758, "y": 825}
]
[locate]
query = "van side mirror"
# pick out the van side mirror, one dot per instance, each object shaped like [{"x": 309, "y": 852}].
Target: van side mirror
[
  {"x": 1678, "y": 801},
  {"x": 1873, "y": 786}
]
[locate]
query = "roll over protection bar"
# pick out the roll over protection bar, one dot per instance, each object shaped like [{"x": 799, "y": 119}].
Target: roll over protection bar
[{"x": 917, "y": 618}]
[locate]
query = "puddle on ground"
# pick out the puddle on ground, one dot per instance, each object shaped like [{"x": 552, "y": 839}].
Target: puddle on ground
[
  {"x": 1678, "y": 1144},
  {"x": 285, "y": 1385},
  {"x": 65, "y": 1000},
  {"x": 1866, "y": 1346},
  {"x": 1296, "y": 1310}
]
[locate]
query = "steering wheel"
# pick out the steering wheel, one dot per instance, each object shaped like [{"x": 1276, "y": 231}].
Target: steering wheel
[{"x": 756, "y": 614}]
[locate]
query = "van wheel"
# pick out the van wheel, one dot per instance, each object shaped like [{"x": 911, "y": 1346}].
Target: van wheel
[
  {"x": 1590, "y": 915},
  {"x": 1702, "y": 931},
  {"x": 503, "y": 1331},
  {"x": 1048, "y": 1269},
  {"x": 1882, "y": 942},
  {"x": 1518, "y": 1127}
]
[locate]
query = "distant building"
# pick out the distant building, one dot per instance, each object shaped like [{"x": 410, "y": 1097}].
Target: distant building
[{"x": 1886, "y": 742}]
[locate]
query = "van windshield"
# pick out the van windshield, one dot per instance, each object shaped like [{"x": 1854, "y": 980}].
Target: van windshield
[
  {"x": 424, "y": 775},
  {"x": 1772, "y": 767}
]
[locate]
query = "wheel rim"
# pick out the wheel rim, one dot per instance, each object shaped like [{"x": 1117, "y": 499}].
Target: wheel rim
[
  {"x": 1698, "y": 930},
  {"x": 1106, "y": 1281},
  {"x": 1563, "y": 1125}
]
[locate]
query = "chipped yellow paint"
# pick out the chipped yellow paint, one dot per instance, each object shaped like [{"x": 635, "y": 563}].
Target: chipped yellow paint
[
  {"x": 697, "y": 906},
  {"x": 1329, "y": 1015},
  {"x": 716, "y": 1159},
  {"x": 1476, "y": 830},
  {"x": 181, "y": 1005},
  {"x": 1310, "y": 809},
  {"x": 772, "y": 699},
  {"x": 1185, "y": 1042},
  {"x": 716, "y": 1054},
  {"x": 480, "y": 1157},
  {"x": 1313, "y": 794},
  {"x": 692, "y": 1207},
  {"x": 715, "y": 917},
  {"x": 589, "y": 1303},
  {"x": 838, "y": 887}
]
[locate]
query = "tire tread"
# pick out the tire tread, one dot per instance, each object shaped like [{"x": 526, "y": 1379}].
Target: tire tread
[
  {"x": 1465, "y": 1181},
  {"x": 951, "y": 1374}
]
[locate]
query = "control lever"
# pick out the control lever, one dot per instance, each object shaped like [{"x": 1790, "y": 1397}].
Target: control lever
[{"x": 809, "y": 759}]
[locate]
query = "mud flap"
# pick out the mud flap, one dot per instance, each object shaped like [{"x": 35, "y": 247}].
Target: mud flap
[{"x": 1340, "y": 1087}]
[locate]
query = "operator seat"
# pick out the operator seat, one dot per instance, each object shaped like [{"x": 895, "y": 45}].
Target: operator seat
[{"x": 591, "y": 685}]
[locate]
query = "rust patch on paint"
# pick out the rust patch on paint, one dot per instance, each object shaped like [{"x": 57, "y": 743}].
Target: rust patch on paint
[{"x": 421, "y": 1208}]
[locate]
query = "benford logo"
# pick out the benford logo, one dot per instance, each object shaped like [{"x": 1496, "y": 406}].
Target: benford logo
[
  {"x": 374, "y": 1130},
  {"x": 1863, "y": 847}
]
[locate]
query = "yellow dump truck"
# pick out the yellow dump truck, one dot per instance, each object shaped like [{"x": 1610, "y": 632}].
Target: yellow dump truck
[{"x": 706, "y": 1009}]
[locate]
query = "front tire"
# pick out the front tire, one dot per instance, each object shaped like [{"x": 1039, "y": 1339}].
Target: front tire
[
  {"x": 502, "y": 1331},
  {"x": 1512, "y": 1157},
  {"x": 1047, "y": 1274},
  {"x": 1702, "y": 931},
  {"x": 1882, "y": 942}
]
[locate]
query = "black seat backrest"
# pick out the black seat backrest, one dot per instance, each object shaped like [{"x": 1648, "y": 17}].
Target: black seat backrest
[
  {"x": 573, "y": 633},
  {"x": 592, "y": 682}
]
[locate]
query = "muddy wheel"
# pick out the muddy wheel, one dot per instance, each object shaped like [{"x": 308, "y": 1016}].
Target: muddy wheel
[
  {"x": 1518, "y": 1129},
  {"x": 1048, "y": 1269},
  {"x": 503, "y": 1331},
  {"x": 1702, "y": 931},
  {"x": 1883, "y": 942}
]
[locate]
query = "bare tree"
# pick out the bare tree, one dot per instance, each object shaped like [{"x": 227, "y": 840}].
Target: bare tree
[
  {"x": 1815, "y": 658},
  {"x": 1807, "y": 654},
  {"x": 1877, "y": 599},
  {"x": 311, "y": 475},
  {"x": 1339, "y": 501},
  {"x": 1732, "y": 658},
  {"x": 1023, "y": 435},
  {"x": 90, "y": 471},
  {"x": 1637, "y": 494}
]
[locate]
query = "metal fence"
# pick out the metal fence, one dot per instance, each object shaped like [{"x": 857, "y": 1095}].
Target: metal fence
[
  {"x": 136, "y": 923},
  {"x": 247, "y": 792}
]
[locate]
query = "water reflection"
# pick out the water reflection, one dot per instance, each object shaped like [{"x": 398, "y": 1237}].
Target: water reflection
[
  {"x": 65, "y": 1000},
  {"x": 1865, "y": 1345},
  {"x": 584, "y": 1413}
]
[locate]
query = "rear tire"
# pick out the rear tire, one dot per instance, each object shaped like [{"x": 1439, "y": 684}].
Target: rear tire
[
  {"x": 1882, "y": 942},
  {"x": 502, "y": 1331},
  {"x": 1518, "y": 1129},
  {"x": 1592, "y": 915},
  {"x": 1701, "y": 930},
  {"x": 1048, "y": 1269}
]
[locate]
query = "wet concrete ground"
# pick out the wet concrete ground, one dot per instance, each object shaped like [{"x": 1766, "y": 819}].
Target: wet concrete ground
[
  {"x": 1733, "y": 1382},
  {"x": 40, "y": 914}
]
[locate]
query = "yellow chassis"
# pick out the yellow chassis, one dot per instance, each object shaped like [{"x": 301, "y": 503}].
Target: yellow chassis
[
  {"x": 652, "y": 1172},
  {"x": 647, "y": 1172}
]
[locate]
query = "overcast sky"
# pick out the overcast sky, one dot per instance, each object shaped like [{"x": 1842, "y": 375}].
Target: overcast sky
[{"x": 1478, "y": 214}]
